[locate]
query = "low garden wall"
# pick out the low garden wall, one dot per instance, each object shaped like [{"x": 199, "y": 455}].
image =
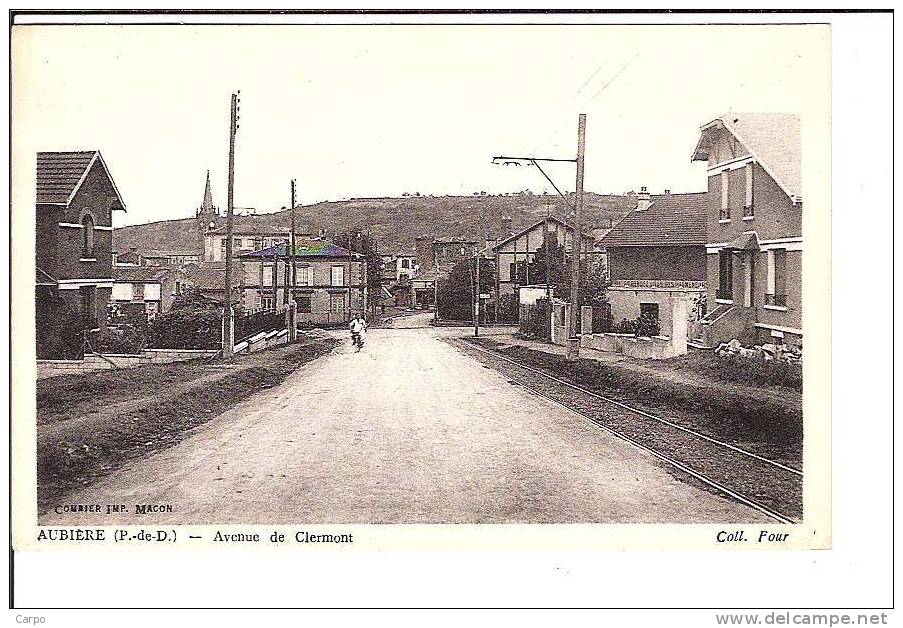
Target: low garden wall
[
  {"x": 654, "y": 348},
  {"x": 95, "y": 362}
]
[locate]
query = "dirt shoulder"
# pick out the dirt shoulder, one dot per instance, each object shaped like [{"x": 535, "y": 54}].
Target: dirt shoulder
[{"x": 90, "y": 424}]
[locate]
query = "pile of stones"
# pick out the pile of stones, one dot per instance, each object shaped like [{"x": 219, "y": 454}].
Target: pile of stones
[{"x": 767, "y": 352}]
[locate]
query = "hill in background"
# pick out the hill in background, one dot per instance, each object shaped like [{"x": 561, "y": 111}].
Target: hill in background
[{"x": 395, "y": 222}]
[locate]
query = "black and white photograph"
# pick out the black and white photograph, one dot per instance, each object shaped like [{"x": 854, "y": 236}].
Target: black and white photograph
[
  {"x": 426, "y": 288},
  {"x": 346, "y": 280}
]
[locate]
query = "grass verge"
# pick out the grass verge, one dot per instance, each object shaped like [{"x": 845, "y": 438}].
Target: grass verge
[{"x": 83, "y": 434}]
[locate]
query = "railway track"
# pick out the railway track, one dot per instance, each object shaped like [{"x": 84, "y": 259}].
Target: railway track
[{"x": 768, "y": 486}]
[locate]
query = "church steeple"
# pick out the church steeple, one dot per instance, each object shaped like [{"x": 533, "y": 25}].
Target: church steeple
[{"x": 207, "y": 208}]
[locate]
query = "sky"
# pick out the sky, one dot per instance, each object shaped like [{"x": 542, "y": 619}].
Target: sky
[{"x": 356, "y": 111}]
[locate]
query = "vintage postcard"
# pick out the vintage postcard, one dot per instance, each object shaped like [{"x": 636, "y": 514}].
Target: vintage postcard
[{"x": 373, "y": 283}]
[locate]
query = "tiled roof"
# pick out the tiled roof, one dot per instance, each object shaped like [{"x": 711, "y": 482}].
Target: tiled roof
[
  {"x": 59, "y": 175},
  {"x": 671, "y": 220},
  {"x": 212, "y": 276},
  {"x": 131, "y": 274},
  {"x": 774, "y": 140},
  {"x": 530, "y": 228}
]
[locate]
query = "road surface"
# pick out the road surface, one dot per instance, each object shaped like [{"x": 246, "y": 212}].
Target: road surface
[{"x": 407, "y": 431}]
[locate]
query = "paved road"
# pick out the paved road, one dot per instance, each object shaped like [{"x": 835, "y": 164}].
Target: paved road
[{"x": 407, "y": 431}]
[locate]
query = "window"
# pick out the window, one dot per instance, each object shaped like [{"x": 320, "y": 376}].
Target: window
[
  {"x": 649, "y": 310},
  {"x": 337, "y": 303},
  {"x": 338, "y": 276},
  {"x": 267, "y": 302},
  {"x": 178, "y": 287},
  {"x": 748, "y": 211},
  {"x": 88, "y": 236},
  {"x": 305, "y": 276},
  {"x": 237, "y": 243},
  {"x": 303, "y": 302},
  {"x": 137, "y": 292},
  {"x": 776, "y": 289},
  {"x": 725, "y": 276},
  {"x": 222, "y": 246},
  {"x": 518, "y": 272},
  {"x": 267, "y": 275},
  {"x": 725, "y": 200}
]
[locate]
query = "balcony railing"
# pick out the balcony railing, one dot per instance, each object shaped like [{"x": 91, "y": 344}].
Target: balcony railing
[
  {"x": 675, "y": 284},
  {"x": 779, "y": 300}
]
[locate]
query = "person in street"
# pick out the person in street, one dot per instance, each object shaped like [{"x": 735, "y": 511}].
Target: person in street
[{"x": 357, "y": 326}]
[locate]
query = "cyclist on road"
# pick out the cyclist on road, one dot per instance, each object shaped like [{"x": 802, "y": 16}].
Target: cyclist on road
[{"x": 357, "y": 326}]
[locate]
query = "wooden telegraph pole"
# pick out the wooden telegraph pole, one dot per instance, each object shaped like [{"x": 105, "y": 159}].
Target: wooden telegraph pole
[
  {"x": 573, "y": 346},
  {"x": 476, "y": 311},
  {"x": 230, "y": 208}
]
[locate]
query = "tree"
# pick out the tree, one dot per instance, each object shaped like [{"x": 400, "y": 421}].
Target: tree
[
  {"x": 592, "y": 274},
  {"x": 458, "y": 290}
]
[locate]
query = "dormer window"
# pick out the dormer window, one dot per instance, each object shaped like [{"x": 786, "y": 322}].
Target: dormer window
[{"x": 87, "y": 236}]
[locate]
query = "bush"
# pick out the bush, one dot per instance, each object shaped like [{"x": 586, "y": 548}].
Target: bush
[
  {"x": 188, "y": 328},
  {"x": 759, "y": 370},
  {"x": 646, "y": 326},
  {"x": 539, "y": 323},
  {"x": 125, "y": 340}
]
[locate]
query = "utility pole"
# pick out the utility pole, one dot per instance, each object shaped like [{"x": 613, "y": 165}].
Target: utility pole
[
  {"x": 476, "y": 303},
  {"x": 545, "y": 239},
  {"x": 230, "y": 209},
  {"x": 294, "y": 268},
  {"x": 573, "y": 346}
]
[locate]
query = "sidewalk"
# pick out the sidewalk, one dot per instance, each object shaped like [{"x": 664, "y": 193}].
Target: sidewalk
[{"x": 663, "y": 369}]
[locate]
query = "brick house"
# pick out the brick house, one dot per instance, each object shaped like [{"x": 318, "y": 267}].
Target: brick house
[
  {"x": 76, "y": 198},
  {"x": 655, "y": 253},
  {"x": 331, "y": 282},
  {"x": 515, "y": 253},
  {"x": 754, "y": 221}
]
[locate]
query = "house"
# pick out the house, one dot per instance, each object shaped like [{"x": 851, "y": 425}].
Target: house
[
  {"x": 208, "y": 279},
  {"x": 442, "y": 254},
  {"x": 330, "y": 282},
  {"x": 76, "y": 198},
  {"x": 148, "y": 289},
  {"x": 515, "y": 253},
  {"x": 754, "y": 221},
  {"x": 656, "y": 253},
  {"x": 127, "y": 258},
  {"x": 248, "y": 236},
  {"x": 405, "y": 265}
]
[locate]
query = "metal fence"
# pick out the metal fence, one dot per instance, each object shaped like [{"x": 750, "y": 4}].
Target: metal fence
[{"x": 252, "y": 323}]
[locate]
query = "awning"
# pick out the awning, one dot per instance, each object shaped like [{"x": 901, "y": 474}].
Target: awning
[{"x": 744, "y": 242}]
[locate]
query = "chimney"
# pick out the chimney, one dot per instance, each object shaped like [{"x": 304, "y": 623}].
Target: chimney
[
  {"x": 667, "y": 191},
  {"x": 643, "y": 200}
]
